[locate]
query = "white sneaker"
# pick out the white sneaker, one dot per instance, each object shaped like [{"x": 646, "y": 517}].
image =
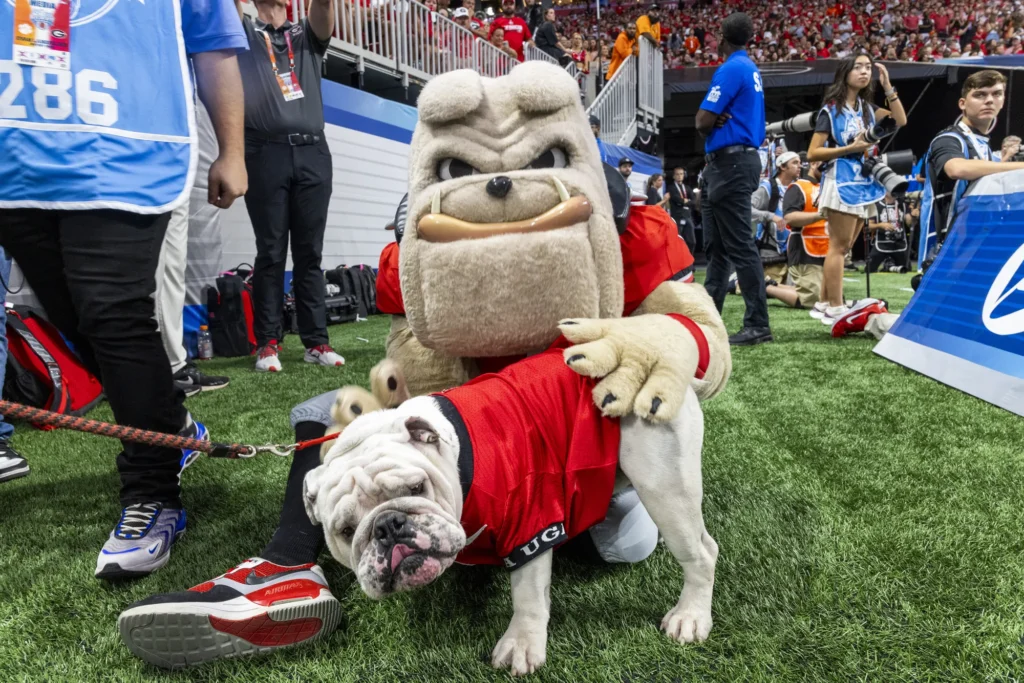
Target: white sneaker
[
  {"x": 324, "y": 355},
  {"x": 818, "y": 310},
  {"x": 832, "y": 313},
  {"x": 268, "y": 360}
]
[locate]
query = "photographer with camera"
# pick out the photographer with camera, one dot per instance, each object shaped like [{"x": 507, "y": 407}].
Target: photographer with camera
[
  {"x": 961, "y": 154},
  {"x": 849, "y": 125},
  {"x": 771, "y": 232},
  {"x": 1010, "y": 150},
  {"x": 890, "y": 248}
]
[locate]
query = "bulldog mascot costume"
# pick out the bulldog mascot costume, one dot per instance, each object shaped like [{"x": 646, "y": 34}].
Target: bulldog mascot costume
[{"x": 533, "y": 399}]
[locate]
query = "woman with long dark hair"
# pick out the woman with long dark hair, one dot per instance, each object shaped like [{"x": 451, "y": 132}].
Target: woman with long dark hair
[
  {"x": 655, "y": 194},
  {"x": 848, "y": 197}
]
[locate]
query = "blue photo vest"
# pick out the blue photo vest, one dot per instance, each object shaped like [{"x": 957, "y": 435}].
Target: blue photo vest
[
  {"x": 973, "y": 147},
  {"x": 117, "y": 129},
  {"x": 854, "y": 188},
  {"x": 769, "y": 236}
]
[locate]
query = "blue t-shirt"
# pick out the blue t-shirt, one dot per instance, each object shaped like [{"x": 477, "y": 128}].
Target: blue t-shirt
[
  {"x": 736, "y": 89},
  {"x": 208, "y": 25}
]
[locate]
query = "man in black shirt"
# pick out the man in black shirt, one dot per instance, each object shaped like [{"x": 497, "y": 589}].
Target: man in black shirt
[
  {"x": 961, "y": 154},
  {"x": 290, "y": 172}
]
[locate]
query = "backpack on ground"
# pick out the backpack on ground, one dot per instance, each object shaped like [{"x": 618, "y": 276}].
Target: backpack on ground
[
  {"x": 230, "y": 314},
  {"x": 42, "y": 370}
]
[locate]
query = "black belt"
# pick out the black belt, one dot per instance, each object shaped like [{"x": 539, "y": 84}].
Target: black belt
[
  {"x": 731, "y": 149},
  {"x": 293, "y": 139}
]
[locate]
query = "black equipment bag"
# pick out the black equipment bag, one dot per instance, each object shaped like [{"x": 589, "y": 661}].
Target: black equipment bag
[{"x": 229, "y": 311}]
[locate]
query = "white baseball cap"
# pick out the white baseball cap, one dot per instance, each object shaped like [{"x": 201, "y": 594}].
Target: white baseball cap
[
  {"x": 785, "y": 158},
  {"x": 460, "y": 12}
]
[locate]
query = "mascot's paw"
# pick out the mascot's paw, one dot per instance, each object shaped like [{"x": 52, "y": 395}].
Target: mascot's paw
[
  {"x": 646, "y": 363},
  {"x": 388, "y": 384}
]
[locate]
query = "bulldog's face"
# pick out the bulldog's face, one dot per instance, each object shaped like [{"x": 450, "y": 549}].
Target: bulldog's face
[
  {"x": 385, "y": 499},
  {"x": 510, "y": 227}
]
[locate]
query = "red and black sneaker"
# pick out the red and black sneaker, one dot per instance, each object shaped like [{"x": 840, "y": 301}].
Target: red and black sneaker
[{"x": 255, "y": 607}]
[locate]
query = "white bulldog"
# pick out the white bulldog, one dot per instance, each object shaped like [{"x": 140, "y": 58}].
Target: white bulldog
[{"x": 406, "y": 492}]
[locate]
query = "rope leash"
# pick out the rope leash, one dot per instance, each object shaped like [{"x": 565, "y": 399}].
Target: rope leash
[{"x": 213, "y": 449}]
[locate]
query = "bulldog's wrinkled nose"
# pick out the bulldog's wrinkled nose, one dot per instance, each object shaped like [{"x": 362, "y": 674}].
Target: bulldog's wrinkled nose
[
  {"x": 389, "y": 525},
  {"x": 499, "y": 186}
]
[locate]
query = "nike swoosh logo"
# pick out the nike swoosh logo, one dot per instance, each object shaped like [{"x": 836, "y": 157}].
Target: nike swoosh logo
[{"x": 253, "y": 580}]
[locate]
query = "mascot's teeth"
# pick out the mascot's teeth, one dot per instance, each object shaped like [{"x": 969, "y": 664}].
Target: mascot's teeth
[
  {"x": 563, "y": 193},
  {"x": 435, "y": 207}
]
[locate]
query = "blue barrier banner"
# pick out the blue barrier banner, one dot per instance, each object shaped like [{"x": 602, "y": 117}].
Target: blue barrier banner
[{"x": 965, "y": 325}]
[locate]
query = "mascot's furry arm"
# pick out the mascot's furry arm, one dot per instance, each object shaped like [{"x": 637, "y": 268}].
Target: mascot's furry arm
[{"x": 510, "y": 230}]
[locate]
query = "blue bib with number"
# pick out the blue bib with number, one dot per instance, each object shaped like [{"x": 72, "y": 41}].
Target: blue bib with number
[
  {"x": 854, "y": 188},
  {"x": 116, "y": 130}
]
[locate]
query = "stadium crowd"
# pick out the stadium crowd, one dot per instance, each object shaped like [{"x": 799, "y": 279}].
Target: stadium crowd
[{"x": 820, "y": 29}]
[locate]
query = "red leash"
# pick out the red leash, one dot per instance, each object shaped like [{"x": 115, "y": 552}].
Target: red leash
[{"x": 214, "y": 450}]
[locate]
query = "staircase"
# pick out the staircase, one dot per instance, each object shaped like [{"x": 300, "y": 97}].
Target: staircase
[
  {"x": 405, "y": 40},
  {"x": 634, "y": 95}
]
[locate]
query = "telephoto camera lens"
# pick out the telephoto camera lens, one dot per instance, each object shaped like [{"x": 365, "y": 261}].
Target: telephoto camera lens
[
  {"x": 880, "y": 131},
  {"x": 893, "y": 184},
  {"x": 901, "y": 161},
  {"x": 801, "y": 123}
]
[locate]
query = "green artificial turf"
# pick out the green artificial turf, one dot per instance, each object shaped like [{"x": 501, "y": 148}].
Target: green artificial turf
[{"x": 869, "y": 521}]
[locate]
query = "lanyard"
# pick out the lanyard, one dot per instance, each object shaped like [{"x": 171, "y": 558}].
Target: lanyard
[
  {"x": 273, "y": 59},
  {"x": 978, "y": 142}
]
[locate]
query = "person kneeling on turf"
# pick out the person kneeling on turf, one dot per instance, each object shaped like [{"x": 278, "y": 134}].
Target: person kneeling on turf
[{"x": 807, "y": 244}]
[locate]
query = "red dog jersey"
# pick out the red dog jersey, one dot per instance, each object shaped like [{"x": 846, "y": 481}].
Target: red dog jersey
[{"x": 537, "y": 461}]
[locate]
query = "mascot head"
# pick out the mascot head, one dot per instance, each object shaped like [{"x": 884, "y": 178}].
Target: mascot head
[{"x": 510, "y": 226}]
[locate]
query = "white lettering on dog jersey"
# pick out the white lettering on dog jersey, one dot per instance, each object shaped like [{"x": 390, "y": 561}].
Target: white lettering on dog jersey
[{"x": 546, "y": 540}]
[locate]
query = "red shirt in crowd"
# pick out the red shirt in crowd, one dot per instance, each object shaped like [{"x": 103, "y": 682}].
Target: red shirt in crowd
[
  {"x": 941, "y": 22},
  {"x": 911, "y": 22},
  {"x": 516, "y": 33}
]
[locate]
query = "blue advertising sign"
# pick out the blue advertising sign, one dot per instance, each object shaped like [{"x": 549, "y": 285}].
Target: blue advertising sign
[{"x": 965, "y": 325}]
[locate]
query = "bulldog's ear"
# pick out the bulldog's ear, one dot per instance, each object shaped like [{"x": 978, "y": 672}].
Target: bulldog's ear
[
  {"x": 310, "y": 490},
  {"x": 421, "y": 431}
]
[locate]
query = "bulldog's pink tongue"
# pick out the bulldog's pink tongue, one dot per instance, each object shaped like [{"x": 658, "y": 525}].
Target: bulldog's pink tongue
[{"x": 399, "y": 553}]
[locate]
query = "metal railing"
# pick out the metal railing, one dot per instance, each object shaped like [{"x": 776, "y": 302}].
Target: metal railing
[
  {"x": 652, "y": 78},
  {"x": 405, "y": 37},
  {"x": 616, "y": 105},
  {"x": 533, "y": 53}
]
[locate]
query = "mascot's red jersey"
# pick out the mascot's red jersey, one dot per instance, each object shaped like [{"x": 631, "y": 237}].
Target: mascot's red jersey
[
  {"x": 652, "y": 252},
  {"x": 537, "y": 460}
]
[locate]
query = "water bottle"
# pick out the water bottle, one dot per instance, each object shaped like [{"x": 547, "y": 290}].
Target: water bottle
[{"x": 205, "y": 343}]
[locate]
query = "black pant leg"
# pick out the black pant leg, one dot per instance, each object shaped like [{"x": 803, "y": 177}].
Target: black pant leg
[
  {"x": 310, "y": 197},
  {"x": 732, "y": 180},
  {"x": 110, "y": 260},
  {"x": 716, "y": 278},
  {"x": 270, "y": 170},
  {"x": 32, "y": 238},
  {"x": 875, "y": 259},
  {"x": 297, "y": 540}
]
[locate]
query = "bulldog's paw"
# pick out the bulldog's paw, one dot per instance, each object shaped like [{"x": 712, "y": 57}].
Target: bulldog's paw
[
  {"x": 687, "y": 623},
  {"x": 522, "y": 650},
  {"x": 388, "y": 384},
  {"x": 646, "y": 362}
]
